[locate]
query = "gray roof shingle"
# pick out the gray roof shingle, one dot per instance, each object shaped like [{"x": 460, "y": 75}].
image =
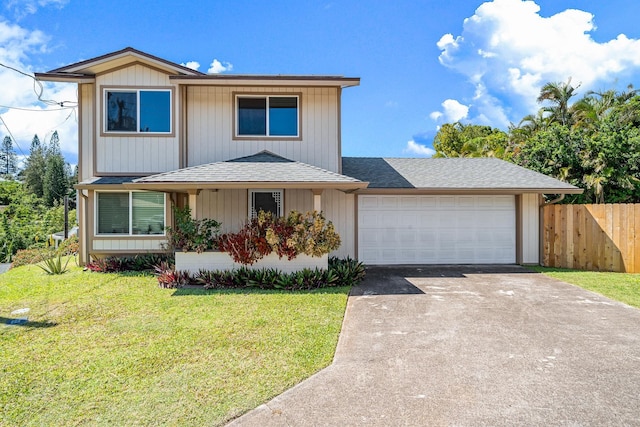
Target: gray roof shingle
[
  {"x": 262, "y": 167},
  {"x": 450, "y": 173}
]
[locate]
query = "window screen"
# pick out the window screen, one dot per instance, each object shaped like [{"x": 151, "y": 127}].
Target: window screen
[{"x": 113, "y": 213}]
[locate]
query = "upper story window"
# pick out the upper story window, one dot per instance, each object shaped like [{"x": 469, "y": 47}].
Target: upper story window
[
  {"x": 137, "y": 111},
  {"x": 273, "y": 116}
]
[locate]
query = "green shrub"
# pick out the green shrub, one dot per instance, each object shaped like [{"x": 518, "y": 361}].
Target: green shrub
[
  {"x": 31, "y": 256},
  {"x": 191, "y": 234},
  {"x": 341, "y": 272},
  {"x": 138, "y": 262}
]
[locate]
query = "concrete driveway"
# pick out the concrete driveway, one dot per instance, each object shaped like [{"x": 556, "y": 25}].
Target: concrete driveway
[{"x": 471, "y": 346}]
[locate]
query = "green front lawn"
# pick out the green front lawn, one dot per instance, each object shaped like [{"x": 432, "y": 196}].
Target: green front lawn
[
  {"x": 114, "y": 349},
  {"x": 622, "y": 287}
]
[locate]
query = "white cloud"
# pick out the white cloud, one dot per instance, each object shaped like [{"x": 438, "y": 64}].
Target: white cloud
[
  {"x": 218, "y": 67},
  {"x": 419, "y": 149},
  {"x": 29, "y": 116},
  {"x": 453, "y": 111},
  {"x": 194, "y": 65},
  {"x": 508, "y": 51},
  {"x": 22, "y": 8}
]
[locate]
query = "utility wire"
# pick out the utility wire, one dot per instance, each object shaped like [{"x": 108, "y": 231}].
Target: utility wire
[{"x": 40, "y": 88}]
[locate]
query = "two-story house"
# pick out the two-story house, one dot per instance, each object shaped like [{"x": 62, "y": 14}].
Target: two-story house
[{"x": 153, "y": 134}]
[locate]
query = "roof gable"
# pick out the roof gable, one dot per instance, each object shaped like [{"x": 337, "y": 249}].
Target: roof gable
[{"x": 118, "y": 59}]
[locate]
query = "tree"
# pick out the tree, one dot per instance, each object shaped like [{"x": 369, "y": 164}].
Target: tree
[
  {"x": 7, "y": 157},
  {"x": 34, "y": 170},
  {"x": 56, "y": 182},
  {"x": 460, "y": 140},
  {"x": 558, "y": 95}
]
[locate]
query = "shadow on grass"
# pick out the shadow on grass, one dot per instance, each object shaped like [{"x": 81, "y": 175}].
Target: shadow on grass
[
  {"x": 26, "y": 324},
  {"x": 198, "y": 290}
]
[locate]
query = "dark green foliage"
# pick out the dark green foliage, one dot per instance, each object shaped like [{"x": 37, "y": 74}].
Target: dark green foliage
[
  {"x": 460, "y": 140},
  {"x": 8, "y": 159},
  {"x": 139, "y": 262},
  {"x": 191, "y": 234},
  {"x": 592, "y": 143},
  {"x": 26, "y": 222},
  {"x": 348, "y": 271},
  {"x": 56, "y": 180},
  {"x": 35, "y": 168},
  {"x": 341, "y": 272}
]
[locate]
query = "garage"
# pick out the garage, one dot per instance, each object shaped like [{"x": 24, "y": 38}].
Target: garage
[{"x": 436, "y": 229}]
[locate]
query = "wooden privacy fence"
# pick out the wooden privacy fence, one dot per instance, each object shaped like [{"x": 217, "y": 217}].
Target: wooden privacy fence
[{"x": 592, "y": 237}]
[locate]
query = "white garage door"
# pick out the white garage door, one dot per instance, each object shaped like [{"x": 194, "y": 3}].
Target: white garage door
[{"x": 436, "y": 229}]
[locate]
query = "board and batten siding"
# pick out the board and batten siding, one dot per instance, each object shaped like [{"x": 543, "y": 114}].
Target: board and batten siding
[
  {"x": 230, "y": 207},
  {"x": 86, "y": 131},
  {"x": 210, "y": 126},
  {"x": 530, "y": 228},
  {"x": 135, "y": 154}
]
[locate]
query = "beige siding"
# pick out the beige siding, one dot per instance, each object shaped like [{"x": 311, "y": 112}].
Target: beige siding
[
  {"x": 530, "y": 229},
  {"x": 230, "y": 207},
  {"x": 86, "y": 132},
  {"x": 135, "y": 154},
  {"x": 227, "y": 206},
  {"x": 210, "y": 127},
  {"x": 126, "y": 245},
  {"x": 339, "y": 208}
]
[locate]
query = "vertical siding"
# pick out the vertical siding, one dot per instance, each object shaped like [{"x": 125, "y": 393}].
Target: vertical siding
[
  {"x": 530, "y": 212},
  {"x": 230, "y": 207},
  {"x": 226, "y": 206},
  {"x": 210, "y": 127},
  {"x": 137, "y": 154},
  {"x": 86, "y": 131},
  {"x": 339, "y": 208}
]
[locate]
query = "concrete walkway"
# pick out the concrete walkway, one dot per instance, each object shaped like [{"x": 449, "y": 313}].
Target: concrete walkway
[{"x": 471, "y": 346}]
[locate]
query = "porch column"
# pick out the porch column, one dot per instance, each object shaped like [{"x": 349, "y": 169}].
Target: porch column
[
  {"x": 317, "y": 200},
  {"x": 193, "y": 202}
]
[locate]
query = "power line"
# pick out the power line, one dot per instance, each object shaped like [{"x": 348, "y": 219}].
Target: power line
[
  {"x": 13, "y": 138},
  {"x": 39, "y": 92},
  {"x": 35, "y": 109}
]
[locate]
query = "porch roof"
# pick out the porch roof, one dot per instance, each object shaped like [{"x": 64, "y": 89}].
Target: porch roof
[{"x": 261, "y": 170}]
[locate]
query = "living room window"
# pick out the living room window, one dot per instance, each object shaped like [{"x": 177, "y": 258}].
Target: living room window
[
  {"x": 130, "y": 213},
  {"x": 265, "y": 200},
  {"x": 137, "y": 110},
  {"x": 267, "y": 116}
]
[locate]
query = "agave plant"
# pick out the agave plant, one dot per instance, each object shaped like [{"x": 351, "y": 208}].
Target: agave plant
[{"x": 54, "y": 265}]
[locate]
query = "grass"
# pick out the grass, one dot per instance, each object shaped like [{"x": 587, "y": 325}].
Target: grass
[
  {"x": 622, "y": 287},
  {"x": 114, "y": 349}
]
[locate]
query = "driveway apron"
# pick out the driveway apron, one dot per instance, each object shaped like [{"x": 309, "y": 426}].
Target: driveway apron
[{"x": 481, "y": 345}]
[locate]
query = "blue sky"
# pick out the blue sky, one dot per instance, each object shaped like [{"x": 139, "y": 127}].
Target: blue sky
[{"x": 422, "y": 63}]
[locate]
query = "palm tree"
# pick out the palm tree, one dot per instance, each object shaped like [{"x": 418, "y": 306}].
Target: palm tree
[{"x": 558, "y": 94}]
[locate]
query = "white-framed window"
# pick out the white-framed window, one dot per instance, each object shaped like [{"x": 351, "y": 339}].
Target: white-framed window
[
  {"x": 265, "y": 200},
  {"x": 129, "y": 213},
  {"x": 137, "y": 110},
  {"x": 276, "y": 116}
]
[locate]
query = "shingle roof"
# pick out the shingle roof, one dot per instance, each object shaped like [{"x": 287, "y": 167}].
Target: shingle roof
[
  {"x": 263, "y": 167},
  {"x": 450, "y": 174}
]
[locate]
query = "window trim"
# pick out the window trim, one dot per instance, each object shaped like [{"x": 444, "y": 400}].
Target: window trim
[
  {"x": 130, "y": 234},
  {"x": 114, "y": 133},
  {"x": 266, "y": 95},
  {"x": 251, "y": 214}
]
